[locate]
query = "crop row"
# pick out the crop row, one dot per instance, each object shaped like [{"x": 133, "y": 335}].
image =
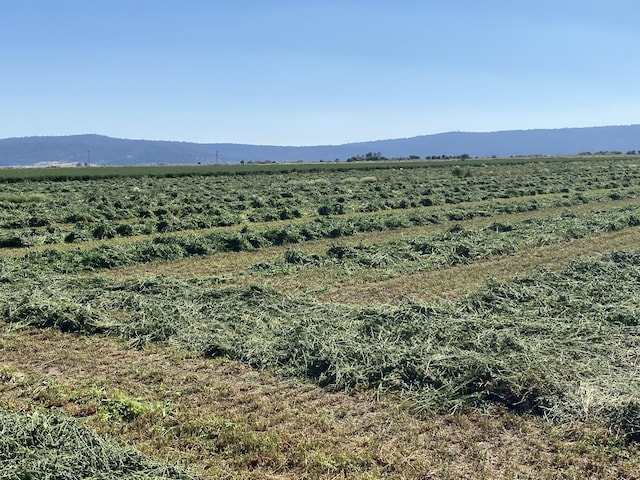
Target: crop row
[
  {"x": 37, "y": 445},
  {"x": 457, "y": 245},
  {"x": 564, "y": 345},
  {"x": 82, "y": 231},
  {"x": 172, "y": 247},
  {"x": 165, "y": 204}
]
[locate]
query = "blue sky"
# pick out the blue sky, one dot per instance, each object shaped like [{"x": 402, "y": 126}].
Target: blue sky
[{"x": 314, "y": 72}]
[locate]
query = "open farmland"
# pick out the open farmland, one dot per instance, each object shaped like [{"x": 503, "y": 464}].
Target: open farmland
[{"x": 478, "y": 319}]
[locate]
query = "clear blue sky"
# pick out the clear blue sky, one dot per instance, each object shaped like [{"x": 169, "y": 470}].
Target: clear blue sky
[{"x": 314, "y": 72}]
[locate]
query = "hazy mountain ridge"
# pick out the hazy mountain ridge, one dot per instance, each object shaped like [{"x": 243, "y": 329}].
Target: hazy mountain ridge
[{"x": 102, "y": 150}]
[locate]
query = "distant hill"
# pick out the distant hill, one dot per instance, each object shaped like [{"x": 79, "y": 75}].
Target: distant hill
[{"x": 101, "y": 150}]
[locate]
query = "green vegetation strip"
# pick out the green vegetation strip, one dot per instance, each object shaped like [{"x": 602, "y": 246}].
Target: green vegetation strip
[
  {"x": 453, "y": 247},
  {"x": 87, "y": 233},
  {"x": 46, "y": 212},
  {"x": 53, "y": 447},
  {"x": 365, "y": 287},
  {"x": 564, "y": 345},
  {"x": 11, "y": 175}
]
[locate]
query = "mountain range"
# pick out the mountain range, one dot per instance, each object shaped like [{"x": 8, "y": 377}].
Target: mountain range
[{"x": 101, "y": 150}]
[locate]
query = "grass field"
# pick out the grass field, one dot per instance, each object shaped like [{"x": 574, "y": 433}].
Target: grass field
[{"x": 413, "y": 320}]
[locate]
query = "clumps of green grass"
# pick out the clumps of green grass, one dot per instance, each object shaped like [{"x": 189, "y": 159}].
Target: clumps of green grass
[
  {"x": 30, "y": 237},
  {"x": 12, "y": 241},
  {"x": 563, "y": 345},
  {"x": 54, "y": 447},
  {"x": 174, "y": 247},
  {"x": 457, "y": 245},
  {"x": 119, "y": 405},
  {"x": 39, "y": 310},
  {"x": 624, "y": 418},
  {"x": 20, "y": 198}
]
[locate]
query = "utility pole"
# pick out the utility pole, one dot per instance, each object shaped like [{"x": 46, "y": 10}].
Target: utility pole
[
  {"x": 89, "y": 159},
  {"x": 216, "y": 157}
]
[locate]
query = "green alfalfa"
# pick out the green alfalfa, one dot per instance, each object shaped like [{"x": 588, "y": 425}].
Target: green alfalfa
[
  {"x": 39, "y": 310},
  {"x": 53, "y": 447}
]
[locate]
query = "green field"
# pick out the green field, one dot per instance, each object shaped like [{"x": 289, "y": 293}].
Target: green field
[{"x": 470, "y": 319}]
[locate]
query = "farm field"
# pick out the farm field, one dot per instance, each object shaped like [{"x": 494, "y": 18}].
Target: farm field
[{"x": 413, "y": 320}]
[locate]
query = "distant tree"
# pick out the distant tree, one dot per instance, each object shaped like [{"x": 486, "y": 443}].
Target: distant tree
[{"x": 369, "y": 157}]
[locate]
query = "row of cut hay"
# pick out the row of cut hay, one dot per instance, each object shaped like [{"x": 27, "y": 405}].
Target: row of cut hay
[
  {"x": 83, "y": 211},
  {"x": 564, "y": 345},
  {"x": 46, "y": 231},
  {"x": 173, "y": 247},
  {"x": 457, "y": 245},
  {"x": 53, "y": 447}
]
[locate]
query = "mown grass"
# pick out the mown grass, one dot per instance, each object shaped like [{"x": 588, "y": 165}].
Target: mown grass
[
  {"x": 226, "y": 420},
  {"x": 450, "y": 283},
  {"x": 169, "y": 247},
  {"x": 309, "y": 347},
  {"x": 49, "y": 446},
  {"x": 229, "y": 262},
  {"x": 391, "y": 266},
  {"x": 83, "y": 212},
  {"x": 497, "y": 345}
]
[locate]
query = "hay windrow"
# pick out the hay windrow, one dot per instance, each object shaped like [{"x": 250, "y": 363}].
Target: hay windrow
[
  {"x": 560, "y": 344},
  {"x": 54, "y": 447}
]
